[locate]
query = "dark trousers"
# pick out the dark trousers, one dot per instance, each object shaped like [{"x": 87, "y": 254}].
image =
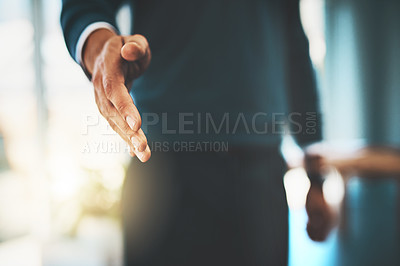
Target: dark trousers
[{"x": 206, "y": 208}]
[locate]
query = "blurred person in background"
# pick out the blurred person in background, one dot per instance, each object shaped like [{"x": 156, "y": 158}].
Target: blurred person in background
[{"x": 221, "y": 72}]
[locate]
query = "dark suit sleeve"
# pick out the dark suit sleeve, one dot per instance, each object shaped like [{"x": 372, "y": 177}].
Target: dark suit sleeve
[
  {"x": 301, "y": 87},
  {"x": 76, "y": 15}
]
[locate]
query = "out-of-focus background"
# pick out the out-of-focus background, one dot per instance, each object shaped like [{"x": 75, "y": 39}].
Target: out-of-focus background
[{"x": 62, "y": 167}]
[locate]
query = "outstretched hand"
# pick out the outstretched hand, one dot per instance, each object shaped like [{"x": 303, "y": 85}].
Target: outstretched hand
[{"x": 115, "y": 62}]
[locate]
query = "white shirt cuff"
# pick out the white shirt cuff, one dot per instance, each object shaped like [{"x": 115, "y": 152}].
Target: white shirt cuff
[{"x": 85, "y": 34}]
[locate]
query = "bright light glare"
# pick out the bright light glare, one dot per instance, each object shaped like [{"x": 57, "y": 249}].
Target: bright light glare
[
  {"x": 312, "y": 17},
  {"x": 333, "y": 187},
  {"x": 22, "y": 251},
  {"x": 297, "y": 186},
  {"x": 317, "y": 50}
]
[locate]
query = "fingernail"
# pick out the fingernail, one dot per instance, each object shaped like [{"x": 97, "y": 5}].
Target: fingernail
[
  {"x": 131, "y": 122},
  {"x": 140, "y": 155}
]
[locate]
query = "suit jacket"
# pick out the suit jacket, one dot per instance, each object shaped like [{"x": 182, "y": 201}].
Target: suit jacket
[{"x": 245, "y": 58}]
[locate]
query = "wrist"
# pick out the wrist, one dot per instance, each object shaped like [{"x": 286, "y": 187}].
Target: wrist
[
  {"x": 316, "y": 180},
  {"x": 93, "y": 47}
]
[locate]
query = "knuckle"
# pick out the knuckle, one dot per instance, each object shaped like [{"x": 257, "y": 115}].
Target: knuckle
[
  {"x": 108, "y": 84},
  {"x": 113, "y": 44},
  {"x": 111, "y": 113},
  {"x": 142, "y": 39},
  {"x": 123, "y": 106},
  {"x": 127, "y": 129},
  {"x": 99, "y": 64},
  {"x": 131, "y": 137},
  {"x": 95, "y": 79}
]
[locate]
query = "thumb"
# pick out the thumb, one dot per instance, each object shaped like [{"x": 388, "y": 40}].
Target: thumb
[{"x": 135, "y": 48}]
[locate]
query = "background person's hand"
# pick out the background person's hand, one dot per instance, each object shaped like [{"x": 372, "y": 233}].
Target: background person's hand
[
  {"x": 114, "y": 62},
  {"x": 321, "y": 218}
]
